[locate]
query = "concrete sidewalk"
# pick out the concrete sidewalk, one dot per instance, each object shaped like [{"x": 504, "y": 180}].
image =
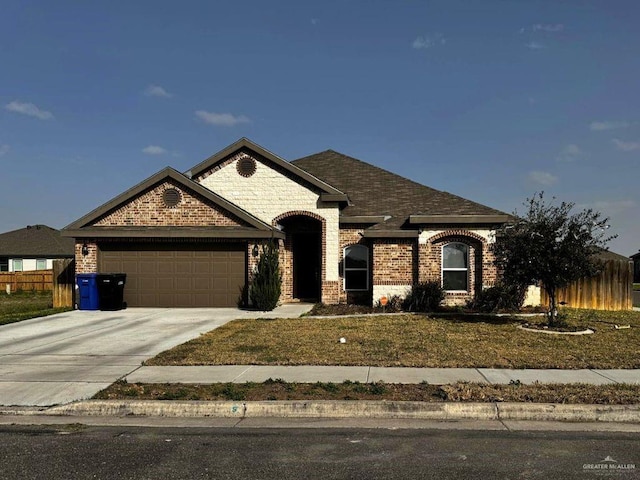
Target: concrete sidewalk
[{"x": 337, "y": 374}]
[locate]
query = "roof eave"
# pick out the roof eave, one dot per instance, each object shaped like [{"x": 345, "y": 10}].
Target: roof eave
[
  {"x": 458, "y": 219},
  {"x": 391, "y": 234},
  {"x": 101, "y": 232},
  {"x": 363, "y": 219}
]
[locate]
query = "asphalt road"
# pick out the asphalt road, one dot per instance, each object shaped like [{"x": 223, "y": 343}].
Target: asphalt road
[{"x": 79, "y": 452}]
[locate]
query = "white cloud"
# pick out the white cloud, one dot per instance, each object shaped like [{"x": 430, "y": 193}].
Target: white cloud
[
  {"x": 221, "y": 119},
  {"x": 607, "y": 125},
  {"x": 626, "y": 146},
  {"x": 569, "y": 153},
  {"x": 543, "y": 178},
  {"x": 154, "y": 150},
  {"x": 157, "y": 91},
  {"x": 547, "y": 27},
  {"x": 424, "y": 42},
  {"x": 4, "y": 149},
  {"x": 28, "y": 109},
  {"x": 534, "y": 45}
]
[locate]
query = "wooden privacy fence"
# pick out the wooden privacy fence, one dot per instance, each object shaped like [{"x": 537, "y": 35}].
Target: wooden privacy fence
[
  {"x": 38, "y": 280},
  {"x": 610, "y": 290},
  {"x": 60, "y": 282},
  {"x": 64, "y": 273}
]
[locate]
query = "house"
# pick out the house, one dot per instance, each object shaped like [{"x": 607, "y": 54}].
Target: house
[
  {"x": 636, "y": 267},
  {"x": 348, "y": 232},
  {"x": 33, "y": 248}
]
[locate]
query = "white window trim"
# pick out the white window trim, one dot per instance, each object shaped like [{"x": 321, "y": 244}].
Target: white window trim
[
  {"x": 345, "y": 269},
  {"x": 442, "y": 269},
  {"x": 41, "y": 260},
  {"x": 13, "y": 264}
]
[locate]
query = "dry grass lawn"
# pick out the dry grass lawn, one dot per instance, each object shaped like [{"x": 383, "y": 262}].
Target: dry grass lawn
[
  {"x": 415, "y": 341},
  {"x": 458, "y": 392}
]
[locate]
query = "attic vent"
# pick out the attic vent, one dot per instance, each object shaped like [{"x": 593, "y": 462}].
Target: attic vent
[
  {"x": 171, "y": 197},
  {"x": 246, "y": 166}
]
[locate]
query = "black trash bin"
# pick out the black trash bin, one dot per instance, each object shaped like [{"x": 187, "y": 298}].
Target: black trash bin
[{"x": 111, "y": 290}]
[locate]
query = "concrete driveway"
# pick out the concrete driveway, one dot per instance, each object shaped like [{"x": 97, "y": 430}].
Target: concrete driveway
[{"x": 73, "y": 355}]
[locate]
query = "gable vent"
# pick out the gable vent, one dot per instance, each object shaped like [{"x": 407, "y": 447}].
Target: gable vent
[
  {"x": 171, "y": 197},
  {"x": 246, "y": 166}
]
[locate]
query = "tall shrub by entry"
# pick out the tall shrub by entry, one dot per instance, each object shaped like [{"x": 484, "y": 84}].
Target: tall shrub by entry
[{"x": 267, "y": 279}]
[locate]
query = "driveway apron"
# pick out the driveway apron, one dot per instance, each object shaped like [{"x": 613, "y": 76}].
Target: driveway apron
[{"x": 73, "y": 355}]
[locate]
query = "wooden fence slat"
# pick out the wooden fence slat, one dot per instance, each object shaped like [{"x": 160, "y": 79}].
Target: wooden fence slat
[
  {"x": 37, "y": 280},
  {"x": 63, "y": 283},
  {"x": 610, "y": 290}
]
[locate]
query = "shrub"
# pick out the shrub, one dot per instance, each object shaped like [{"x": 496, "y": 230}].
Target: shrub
[
  {"x": 394, "y": 304},
  {"x": 267, "y": 280},
  {"x": 499, "y": 297},
  {"x": 424, "y": 297}
]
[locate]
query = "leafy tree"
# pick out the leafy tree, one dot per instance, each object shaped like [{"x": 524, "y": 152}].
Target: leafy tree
[
  {"x": 551, "y": 245},
  {"x": 267, "y": 279}
]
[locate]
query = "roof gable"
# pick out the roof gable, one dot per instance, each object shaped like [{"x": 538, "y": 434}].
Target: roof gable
[
  {"x": 373, "y": 191},
  {"x": 35, "y": 241},
  {"x": 137, "y": 207},
  {"x": 244, "y": 145}
]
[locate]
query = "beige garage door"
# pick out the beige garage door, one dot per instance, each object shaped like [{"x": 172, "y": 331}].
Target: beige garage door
[{"x": 177, "y": 275}]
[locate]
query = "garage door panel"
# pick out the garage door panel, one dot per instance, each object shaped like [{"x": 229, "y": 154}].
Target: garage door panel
[{"x": 180, "y": 275}]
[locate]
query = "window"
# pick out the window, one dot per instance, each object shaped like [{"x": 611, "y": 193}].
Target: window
[
  {"x": 17, "y": 264},
  {"x": 4, "y": 264},
  {"x": 41, "y": 264},
  {"x": 455, "y": 267},
  {"x": 356, "y": 268}
]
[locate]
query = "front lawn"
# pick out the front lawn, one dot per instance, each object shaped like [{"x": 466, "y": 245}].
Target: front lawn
[
  {"x": 415, "y": 341},
  {"x": 24, "y": 305}
]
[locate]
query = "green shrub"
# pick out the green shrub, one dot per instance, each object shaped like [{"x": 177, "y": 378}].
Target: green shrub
[
  {"x": 267, "y": 280},
  {"x": 424, "y": 297},
  {"x": 499, "y": 297}
]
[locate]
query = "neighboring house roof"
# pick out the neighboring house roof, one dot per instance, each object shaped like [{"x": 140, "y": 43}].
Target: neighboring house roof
[
  {"x": 255, "y": 228},
  {"x": 635, "y": 256},
  {"x": 35, "y": 241},
  {"x": 375, "y": 193}
]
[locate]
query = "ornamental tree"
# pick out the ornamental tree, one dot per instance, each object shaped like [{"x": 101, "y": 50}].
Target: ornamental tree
[
  {"x": 267, "y": 279},
  {"x": 551, "y": 245}
]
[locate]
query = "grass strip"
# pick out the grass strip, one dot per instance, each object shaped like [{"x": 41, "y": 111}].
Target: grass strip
[
  {"x": 8, "y": 318},
  {"x": 614, "y": 394}
]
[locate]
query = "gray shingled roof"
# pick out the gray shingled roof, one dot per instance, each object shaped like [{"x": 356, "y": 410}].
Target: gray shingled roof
[
  {"x": 36, "y": 241},
  {"x": 374, "y": 191}
]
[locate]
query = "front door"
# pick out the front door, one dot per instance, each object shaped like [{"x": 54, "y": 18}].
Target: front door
[{"x": 307, "y": 267}]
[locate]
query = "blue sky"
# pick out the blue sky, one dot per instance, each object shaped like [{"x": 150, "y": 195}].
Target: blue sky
[{"x": 490, "y": 100}]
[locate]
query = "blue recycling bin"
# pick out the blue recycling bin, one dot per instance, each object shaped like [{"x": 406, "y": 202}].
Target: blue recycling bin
[{"x": 88, "y": 298}]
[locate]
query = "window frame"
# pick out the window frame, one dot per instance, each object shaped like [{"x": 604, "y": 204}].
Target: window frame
[
  {"x": 44, "y": 261},
  {"x": 449, "y": 269},
  {"x": 13, "y": 264},
  {"x": 346, "y": 269}
]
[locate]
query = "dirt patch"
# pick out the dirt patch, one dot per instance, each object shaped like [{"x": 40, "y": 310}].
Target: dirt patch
[{"x": 618, "y": 394}]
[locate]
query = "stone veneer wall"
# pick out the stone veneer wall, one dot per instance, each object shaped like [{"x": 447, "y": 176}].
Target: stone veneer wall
[
  {"x": 270, "y": 193},
  {"x": 149, "y": 210}
]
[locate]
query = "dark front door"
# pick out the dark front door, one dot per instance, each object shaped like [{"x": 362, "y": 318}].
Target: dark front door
[{"x": 307, "y": 267}]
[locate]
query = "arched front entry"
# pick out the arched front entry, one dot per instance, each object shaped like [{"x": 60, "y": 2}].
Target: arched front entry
[{"x": 302, "y": 275}]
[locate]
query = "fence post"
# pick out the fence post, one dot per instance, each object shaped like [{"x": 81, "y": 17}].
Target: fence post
[{"x": 63, "y": 283}]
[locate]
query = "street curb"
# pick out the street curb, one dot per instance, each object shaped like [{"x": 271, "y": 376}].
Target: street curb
[{"x": 343, "y": 409}]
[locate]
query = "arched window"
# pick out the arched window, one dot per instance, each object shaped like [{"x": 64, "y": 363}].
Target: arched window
[
  {"x": 455, "y": 267},
  {"x": 356, "y": 268}
]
